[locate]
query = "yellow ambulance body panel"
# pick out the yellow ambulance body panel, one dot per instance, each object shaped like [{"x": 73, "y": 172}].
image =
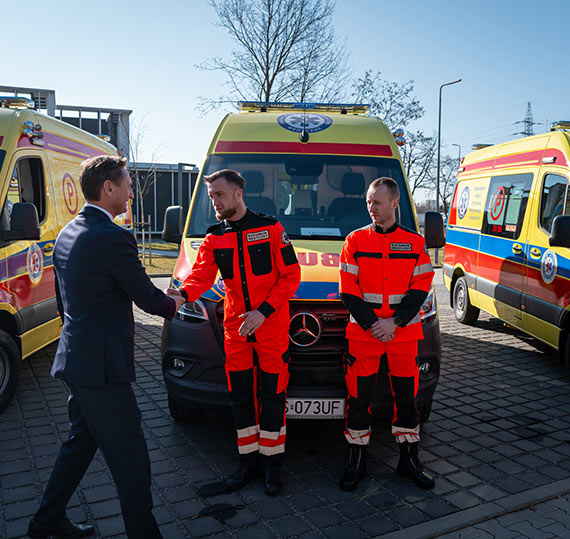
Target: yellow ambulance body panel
[
  {"x": 40, "y": 160},
  {"x": 498, "y": 254}
]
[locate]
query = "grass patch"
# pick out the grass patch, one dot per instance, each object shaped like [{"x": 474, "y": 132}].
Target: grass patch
[{"x": 160, "y": 264}]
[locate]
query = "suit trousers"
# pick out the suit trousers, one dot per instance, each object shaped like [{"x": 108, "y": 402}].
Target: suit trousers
[{"x": 105, "y": 417}]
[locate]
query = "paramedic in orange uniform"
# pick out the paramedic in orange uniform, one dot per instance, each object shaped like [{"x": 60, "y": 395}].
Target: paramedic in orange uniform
[
  {"x": 261, "y": 273},
  {"x": 385, "y": 276}
]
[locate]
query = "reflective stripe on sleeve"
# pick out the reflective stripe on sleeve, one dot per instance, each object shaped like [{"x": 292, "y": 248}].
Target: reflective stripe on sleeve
[
  {"x": 394, "y": 299},
  {"x": 372, "y": 298},
  {"x": 349, "y": 268},
  {"x": 423, "y": 268}
]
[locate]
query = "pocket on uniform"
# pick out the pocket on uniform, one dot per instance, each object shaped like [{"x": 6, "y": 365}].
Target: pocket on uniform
[
  {"x": 225, "y": 261},
  {"x": 260, "y": 257}
]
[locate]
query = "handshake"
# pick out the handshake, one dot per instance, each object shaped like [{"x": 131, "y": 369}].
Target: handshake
[{"x": 176, "y": 296}]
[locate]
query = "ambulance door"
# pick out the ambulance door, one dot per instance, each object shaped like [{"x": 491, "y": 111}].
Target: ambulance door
[
  {"x": 546, "y": 286},
  {"x": 501, "y": 262},
  {"x": 29, "y": 263}
]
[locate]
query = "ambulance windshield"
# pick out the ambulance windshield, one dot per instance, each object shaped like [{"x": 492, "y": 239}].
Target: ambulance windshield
[{"x": 317, "y": 196}]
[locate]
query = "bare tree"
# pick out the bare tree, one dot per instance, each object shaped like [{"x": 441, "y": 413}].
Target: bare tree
[
  {"x": 447, "y": 178},
  {"x": 143, "y": 178},
  {"x": 418, "y": 159},
  {"x": 393, "y": 103},
  {"x": 286, "y": 50}
]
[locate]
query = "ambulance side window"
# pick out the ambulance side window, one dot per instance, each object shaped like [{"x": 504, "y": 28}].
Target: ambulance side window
[
  {"x": 27, "y": 184},
  {"x": 506, "y": 205},
  {"x": 552, "y": 200}
]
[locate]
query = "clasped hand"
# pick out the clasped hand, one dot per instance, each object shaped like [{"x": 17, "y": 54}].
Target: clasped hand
[
  {"x": 176, "y": 296},
  {"x": 383, "y": 329},
  {"x": 253, "y": 319}
]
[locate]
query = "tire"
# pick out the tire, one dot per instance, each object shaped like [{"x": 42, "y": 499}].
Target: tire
[
  {"x": 10, "y": 366},
  {"x": 464, "y": 311},
  {"x": 179, "y": 412},
  {"x": 424, "y": 413}
]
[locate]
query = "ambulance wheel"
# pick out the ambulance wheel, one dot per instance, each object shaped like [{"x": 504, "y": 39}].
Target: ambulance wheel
[
  {"x": 179, "y": 412},
  {"x": 10, "y": 365},
  {"x": 464, "y": 311}
]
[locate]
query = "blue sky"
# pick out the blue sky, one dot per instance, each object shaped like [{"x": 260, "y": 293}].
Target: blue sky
[{"x": 142, "y": 55}]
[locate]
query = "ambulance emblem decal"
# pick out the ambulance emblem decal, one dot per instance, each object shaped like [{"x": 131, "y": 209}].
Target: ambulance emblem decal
[
  {"x": 463, "y": 203},
  {"x": 548, "y": 265},
  {"x": 35, "y": 263},
  {"x": 312, "y": 122}
]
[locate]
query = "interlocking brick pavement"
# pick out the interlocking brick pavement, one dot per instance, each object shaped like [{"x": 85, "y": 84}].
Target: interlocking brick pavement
[{"x": 497, "y": 442}]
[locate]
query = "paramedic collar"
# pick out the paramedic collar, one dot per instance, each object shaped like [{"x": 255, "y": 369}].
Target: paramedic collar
[
  {"x": 378, "y": 228},
  {"x": 99, "y": 208}
]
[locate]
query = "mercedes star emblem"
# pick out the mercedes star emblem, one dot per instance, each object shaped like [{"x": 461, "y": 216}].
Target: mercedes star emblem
[{"x": 305, "y": 329}]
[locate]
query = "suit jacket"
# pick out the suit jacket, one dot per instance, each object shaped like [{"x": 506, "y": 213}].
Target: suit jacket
[{"x": 98, "y": 276}]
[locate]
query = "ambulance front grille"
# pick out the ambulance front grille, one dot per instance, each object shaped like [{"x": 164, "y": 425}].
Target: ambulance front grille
[{"x": 321, "y": 362}]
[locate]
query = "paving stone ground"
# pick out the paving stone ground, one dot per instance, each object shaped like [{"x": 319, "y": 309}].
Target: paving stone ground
[{"x": 497, "y": 442}]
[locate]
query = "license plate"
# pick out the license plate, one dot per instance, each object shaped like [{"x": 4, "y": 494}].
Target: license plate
[{"x": 315, "y": 408}]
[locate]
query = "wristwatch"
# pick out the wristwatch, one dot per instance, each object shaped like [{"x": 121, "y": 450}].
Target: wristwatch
[{"x": 397, "y": 320}]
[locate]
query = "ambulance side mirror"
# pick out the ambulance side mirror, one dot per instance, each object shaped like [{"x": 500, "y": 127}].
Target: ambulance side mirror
[
  {"x": 434, "y": 230},
  {"x": 560, "y": 235},
  {"x": 173, "y": 226},
  {"x": 24, "y": 223}
]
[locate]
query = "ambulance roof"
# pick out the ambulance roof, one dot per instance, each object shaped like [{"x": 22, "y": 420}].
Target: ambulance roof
[
  {"x": 12, "y": 126},
  {"x": 551, "y": 147},
  {"x": 285, "y": 127}
]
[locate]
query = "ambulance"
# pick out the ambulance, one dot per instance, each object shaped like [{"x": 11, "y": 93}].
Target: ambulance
[
  {"x": 40, "y": 161},
  {"x": 508, "y": 237},
  {"x": 309, "y": 166}
]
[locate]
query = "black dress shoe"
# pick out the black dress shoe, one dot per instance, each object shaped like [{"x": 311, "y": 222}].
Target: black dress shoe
[
  {"x": 63, "y": 529},
  {"x": 409, "y": 466},
  {"x": 244, "y": 474},
  {"x": 272, "y": 481},
  {"x": 355, "y": 469}
]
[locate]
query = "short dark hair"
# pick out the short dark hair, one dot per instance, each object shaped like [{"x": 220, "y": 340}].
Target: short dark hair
[
  {"x": 96, "y": 170},
  {"x": 230, "y": 175},
  {"x": 390, "y": 184}
]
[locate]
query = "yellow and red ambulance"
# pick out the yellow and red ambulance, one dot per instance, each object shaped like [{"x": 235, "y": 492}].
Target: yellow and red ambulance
[
  {"x": 508, "y": 236},
  {"x": 40, "y": 160},
  {"x": 308, "y": 165}
]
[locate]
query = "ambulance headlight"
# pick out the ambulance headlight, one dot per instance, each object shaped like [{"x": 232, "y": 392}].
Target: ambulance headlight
[
  {"x": 429, "y": 306},
  {"x": 193, "y": 310}
]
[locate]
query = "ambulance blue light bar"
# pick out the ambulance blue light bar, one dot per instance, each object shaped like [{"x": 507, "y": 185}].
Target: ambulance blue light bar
[
  {"x": 276, "y": 106},
  {"x": 562, "y": 125}
]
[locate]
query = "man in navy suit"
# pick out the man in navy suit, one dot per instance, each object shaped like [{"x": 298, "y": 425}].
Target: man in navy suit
[{"x": 98, "y": 276}]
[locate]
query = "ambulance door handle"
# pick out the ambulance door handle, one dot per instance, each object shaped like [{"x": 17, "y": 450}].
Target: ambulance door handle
[
  {"x": 535, "y": 253},
  {"x": 48, "y": 248},
  {"x": 517, "y": 248}
]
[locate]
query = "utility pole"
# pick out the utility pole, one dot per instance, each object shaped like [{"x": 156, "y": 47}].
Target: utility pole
[{"x": 528, "y": 123}]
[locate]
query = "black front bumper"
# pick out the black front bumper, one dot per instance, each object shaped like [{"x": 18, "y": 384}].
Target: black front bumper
[{"x": 202, "y": 383}]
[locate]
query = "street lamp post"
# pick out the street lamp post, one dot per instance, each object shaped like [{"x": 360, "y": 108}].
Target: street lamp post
[
  {"x": 459, "y": 154},
  {"x": 439, "y": 150}
]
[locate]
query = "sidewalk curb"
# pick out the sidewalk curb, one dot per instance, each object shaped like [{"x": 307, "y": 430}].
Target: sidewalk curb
[{"x": 482, "y": 513}]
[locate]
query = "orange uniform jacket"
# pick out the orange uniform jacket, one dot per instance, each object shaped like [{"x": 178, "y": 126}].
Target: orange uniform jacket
[
  {"x": 384, "y": 274},
  {"x": 259, "y": 268}
]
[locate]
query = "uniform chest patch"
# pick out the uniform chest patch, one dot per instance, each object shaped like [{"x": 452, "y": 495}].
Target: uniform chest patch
[
  {"x": 400, "y": 247},
  {"x": 256, "y": 236}
]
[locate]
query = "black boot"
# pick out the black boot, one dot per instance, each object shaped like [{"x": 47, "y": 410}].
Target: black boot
[
  {"x": 272, "y": 481},
  {"x": 355, "y": 469},
  {"x": 248, "y": 470},
  {"x": 409, "y": 466}
]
